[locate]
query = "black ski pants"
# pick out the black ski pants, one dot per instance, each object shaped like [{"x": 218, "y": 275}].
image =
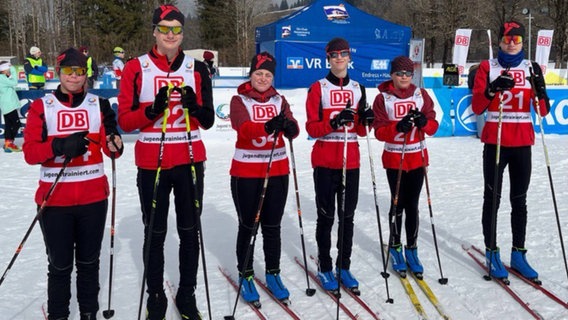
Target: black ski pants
[
  {"x": 70, "y": 234},
  {"x": 155, "y": 220},
  {"x": 11, "y": 125},
  {"x": 329, "y": 190},
  {"x": 518, "y": 159},
  {"x": 246, "y": 194}
]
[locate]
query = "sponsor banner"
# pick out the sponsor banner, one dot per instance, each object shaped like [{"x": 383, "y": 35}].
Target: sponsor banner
[
  {"x": 461, "y": 48},
  {"x": 543, "y": 45},
  {"x": 452, "y": 106}
]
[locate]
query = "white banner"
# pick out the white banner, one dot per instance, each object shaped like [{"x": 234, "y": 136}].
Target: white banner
[
  {"x": 417, "y": 56},
  {"x": 543, "y": 45},
  {"x": 461, "y": 48}
]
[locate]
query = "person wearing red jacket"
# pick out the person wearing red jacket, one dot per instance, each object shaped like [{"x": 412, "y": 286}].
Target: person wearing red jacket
[
  {"x": 503, "y": 87},
  {"x": 261, "y": 117},
  {"x": 332, "y": 121},
  {"x": 72, "y": 128},
  {"x": 145, "y": 94},
  {"x": 404, "y": 113}
]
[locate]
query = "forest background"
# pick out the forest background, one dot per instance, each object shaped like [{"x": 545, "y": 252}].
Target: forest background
[{"x": 227, "y": 26}]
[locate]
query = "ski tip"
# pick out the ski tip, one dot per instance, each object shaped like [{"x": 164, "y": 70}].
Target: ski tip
[{"x": 310, "y": 292}]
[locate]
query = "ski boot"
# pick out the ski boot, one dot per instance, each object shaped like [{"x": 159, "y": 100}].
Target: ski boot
[
  {"x": 329, "y": 282},
  {"x": 349, "y": 281},
  {"x": 186, "y": 304},
  {"x": 156, "y": 306},
  {"x": 411, "y": 254},
  {"x": 398, "y": 263},
  {"x": 275, "y": 285},
  {"x": 520, "y": 264},
  {"x": 493, "y": 258},
  {"x": 248, "y": 290}
]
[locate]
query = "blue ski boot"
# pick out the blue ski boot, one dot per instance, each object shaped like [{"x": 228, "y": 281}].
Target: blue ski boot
[
  {"x": 274, "y": 283},
  {"x": 348, "y": 280},
  {"x": 520, "y": 264},
  {"x": 411, "y": 254},
  {"x": 248, "y": 290},
  {"x": 398, "y": 263},
  {"x": 497, "y": 269},
  {"x": 328, "y": 280}
]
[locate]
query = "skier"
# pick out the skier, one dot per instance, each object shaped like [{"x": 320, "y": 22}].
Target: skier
[
  {"x": 72, "y": 128},
  {"x": 258, "y": 113},
  {"x": 145, "y": 94},
  {"x": 329, "y": 116},
  {"x": 404, "y": 113},
  {"x": 502, "y": 87}
]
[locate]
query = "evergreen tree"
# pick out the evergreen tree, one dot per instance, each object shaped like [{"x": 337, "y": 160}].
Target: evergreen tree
[{"x": 284, "y": 5}]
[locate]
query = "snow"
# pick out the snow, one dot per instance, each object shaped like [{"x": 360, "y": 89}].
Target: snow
[{"x": 456, "y": 186}]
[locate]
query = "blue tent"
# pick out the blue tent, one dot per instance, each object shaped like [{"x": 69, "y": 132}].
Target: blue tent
[{"x": 298, "y": 43}]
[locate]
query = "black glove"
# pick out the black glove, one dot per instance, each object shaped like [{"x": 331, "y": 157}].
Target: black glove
[
  {"x": 71, "y": 146},
  {"x": 419, "y": 118},
  {"x": 160, "y": 104},
  {"x": 503, "y": 82},
  {"x": 290, "y": 129},
  {"x": 539, "y": 86},
  {"x": 342, "y": 118},
  {"x": 405, "y": 124},
  {"x": 366, "y": 116},
  {"x": 189, "y": 99},
  {"x": 275, "y": 124}
]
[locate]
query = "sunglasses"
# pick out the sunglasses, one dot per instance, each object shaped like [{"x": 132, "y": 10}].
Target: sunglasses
[
  {"x": 514, "y": 39},
  {"x": 337, "y": 54},
  {"x": 70, "y": 70},
  {"x": 166, "y": 29},
  {"x": 404, "y": 73},
  {"x": 119, "y": 52}
]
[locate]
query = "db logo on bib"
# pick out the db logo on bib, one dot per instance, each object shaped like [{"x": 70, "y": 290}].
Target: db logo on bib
[{"x": 72, "y": 120}]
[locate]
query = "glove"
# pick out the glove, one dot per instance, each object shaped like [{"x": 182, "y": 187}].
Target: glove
[
  {"x": 342, "y": 118},
  {"x": 539, "y": 86},
  {"x": 290, "y": 129},
  {"x": 275, "y": 124},
  {"x": 160, "y": 104},
  {"x": 405, "y": 124},
  {"x": 419, "y": 118},
  {"x": 71, "y": 146},
  {"x": 502, "y": 83},
  {"x": 366, "y": 116},
  {"x": 189, "y": 99}
]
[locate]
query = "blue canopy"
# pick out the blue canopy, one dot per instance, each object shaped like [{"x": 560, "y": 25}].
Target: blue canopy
[{"x": 298, "y": 43}]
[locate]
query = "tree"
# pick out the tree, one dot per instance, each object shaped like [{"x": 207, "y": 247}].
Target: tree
[{"x": 284, "y": 5}]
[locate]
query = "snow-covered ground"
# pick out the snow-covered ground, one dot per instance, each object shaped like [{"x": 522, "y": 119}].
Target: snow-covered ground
[{"x": 456, "y": 192}]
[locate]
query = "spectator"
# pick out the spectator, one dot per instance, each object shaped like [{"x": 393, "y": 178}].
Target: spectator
[
  {"x": 258, "y": 113},
  {"x": 208, "y": 58},
  {"x": 142, "y": 100},
  {"x": 118, "y": 64},
  {"x": 332, "y": 121},
  {"x": 9, "y": 104},
  {"x": 92, "y": 68},
  {"x": 35, "y": 69},
  {"x": 404, "y": 115},
  {"x": 73, "y": 219},
  {"x": 501, "y": 87}
]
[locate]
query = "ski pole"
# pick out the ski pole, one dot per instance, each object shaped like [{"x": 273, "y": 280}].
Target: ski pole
[
  {"x": 36, "y": 218},
  {"x": 109, "y": 313},
  {"x": 371, "y": 163},
  {"x": 255, "y": 226},
  {"x": 392, "y": 214},
  {"x": 309, "y": 291},
  {"x": 537, "y": 108},
  {"x": 154, "y": 201},
  {"x": 495, "y": 187},
  {"x": 442, "y": 280},
  {"x": 197, "y": 206},
  {"x": 342, "y": 211}
]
